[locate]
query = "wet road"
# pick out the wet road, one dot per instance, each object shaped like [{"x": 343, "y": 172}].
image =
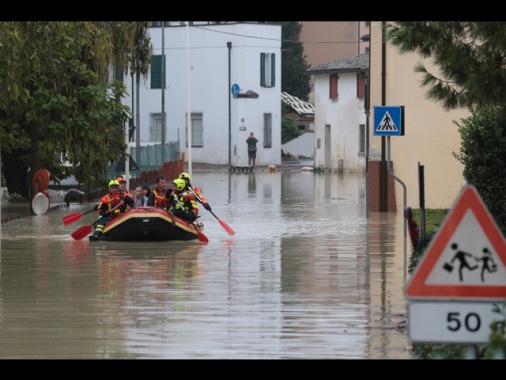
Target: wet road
[{"x": 307, "y": 275}]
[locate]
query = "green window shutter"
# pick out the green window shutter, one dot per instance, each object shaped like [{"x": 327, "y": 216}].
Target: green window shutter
[
  {"x": 262, "y": 69},
  {"x": 273, "y": 68},
  {"x": 156, "y": 72}
]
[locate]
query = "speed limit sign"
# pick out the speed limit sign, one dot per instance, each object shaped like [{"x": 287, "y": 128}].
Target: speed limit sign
[{"x": 451, "y": 321}]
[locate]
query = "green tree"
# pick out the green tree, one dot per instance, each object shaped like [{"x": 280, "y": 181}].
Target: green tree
[
  {"x": 483, "y": 154},
  {"x": 289, "y": 129},
  {"x": 57, "y": 103},
  {"x": 471, "y": 57},
  {"x": 294, "y": 79}
]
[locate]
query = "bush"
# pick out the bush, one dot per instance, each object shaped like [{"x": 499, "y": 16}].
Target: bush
[
  {"x": 483, "y": 154},
  {"x": 289, "y": 129}
]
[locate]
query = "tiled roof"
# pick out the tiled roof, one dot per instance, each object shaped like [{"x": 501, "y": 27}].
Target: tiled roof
[
  {"x": 295, "y": 116},
  {"x": 299, "y": 106},
  {"x": 356, "y": 63}
]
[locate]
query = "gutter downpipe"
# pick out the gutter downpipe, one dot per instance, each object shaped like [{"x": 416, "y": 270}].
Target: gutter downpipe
[
  {"x": 383, "y": 204},
  {"x": 367, "y": 114}
]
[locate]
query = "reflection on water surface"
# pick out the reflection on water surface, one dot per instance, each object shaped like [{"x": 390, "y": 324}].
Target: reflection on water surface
[{"x": 307, "y": 275}]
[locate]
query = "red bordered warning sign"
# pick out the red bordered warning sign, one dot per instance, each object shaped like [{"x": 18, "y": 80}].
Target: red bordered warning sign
[{"x": 466, "y": 259}]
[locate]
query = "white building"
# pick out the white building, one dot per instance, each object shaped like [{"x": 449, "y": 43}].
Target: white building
[
  {"x": 233, "y": 73},
  {"x": 340, "y": 120}
]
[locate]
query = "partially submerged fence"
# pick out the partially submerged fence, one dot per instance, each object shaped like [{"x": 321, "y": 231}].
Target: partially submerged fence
[
  {"x": 146, "y": 158},
  {"x": 170, "y": 170}
]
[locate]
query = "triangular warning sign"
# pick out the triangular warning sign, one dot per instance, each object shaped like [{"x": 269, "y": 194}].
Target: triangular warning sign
[
  {"x": 120, "y": 167},
  {"x": 386, "y": 123},
  {"x": 467, "y": 256}
]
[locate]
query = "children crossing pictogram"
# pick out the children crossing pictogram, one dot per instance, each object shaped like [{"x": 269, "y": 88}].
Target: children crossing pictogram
[
  {"x": 461, "y": 257},
  {"x": 385, "y": 125}
]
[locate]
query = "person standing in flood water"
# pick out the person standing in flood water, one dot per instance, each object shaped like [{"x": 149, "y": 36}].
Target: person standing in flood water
[{"x": 252, "y": 149}]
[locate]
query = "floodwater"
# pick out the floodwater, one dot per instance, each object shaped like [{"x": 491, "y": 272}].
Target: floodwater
[{"x": 307, "y": 275}]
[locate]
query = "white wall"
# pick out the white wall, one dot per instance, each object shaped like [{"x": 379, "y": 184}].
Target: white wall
[
  {"x": 210, "y": 87},
  {"x": 303, "y": 145}
]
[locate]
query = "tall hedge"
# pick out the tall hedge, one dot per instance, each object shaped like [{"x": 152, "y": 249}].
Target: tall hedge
[{"x": 483, "y": 154}]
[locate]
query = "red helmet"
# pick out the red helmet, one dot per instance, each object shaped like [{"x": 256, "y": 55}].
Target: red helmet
[{"x": 121, "y": 179}]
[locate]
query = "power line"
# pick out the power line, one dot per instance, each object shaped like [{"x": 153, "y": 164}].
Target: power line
[{"x": 276, "y": 39}]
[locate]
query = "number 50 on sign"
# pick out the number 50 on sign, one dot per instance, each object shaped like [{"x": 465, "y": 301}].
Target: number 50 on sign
[{"x": 451, "y": 321}]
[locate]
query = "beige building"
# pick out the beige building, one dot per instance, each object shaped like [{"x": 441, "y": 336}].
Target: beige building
[
  {"x": 430, "y": 134},
  {"x": 325, "y": 41}
]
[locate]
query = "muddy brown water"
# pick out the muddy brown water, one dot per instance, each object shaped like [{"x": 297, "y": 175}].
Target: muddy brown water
[{"x": 307, "y": 275}]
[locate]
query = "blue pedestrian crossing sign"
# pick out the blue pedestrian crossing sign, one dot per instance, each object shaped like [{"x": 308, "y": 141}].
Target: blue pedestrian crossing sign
[{"x": 388, "y": 121}]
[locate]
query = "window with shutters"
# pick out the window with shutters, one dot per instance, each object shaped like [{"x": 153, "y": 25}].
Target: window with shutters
[
  {"x": 267, "y": 69},
  {"x": 333, "y": 86}
]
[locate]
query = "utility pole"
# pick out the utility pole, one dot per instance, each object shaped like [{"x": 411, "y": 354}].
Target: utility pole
[{"x": 188, "y": 97}]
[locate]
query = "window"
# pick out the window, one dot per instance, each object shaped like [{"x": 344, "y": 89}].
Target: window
[
  {"x": 118, "y": 73},
  {"x": 155, "y": 127},
  {"x": 267, "y": 130},
  {"x": 197, "y": 130},
  {"x": 368, "y": 24},
  {"x": 156, "y": 71},
  {"x": 333, "y": 86},
  {"x": 360, "y": 86},
  {"x": 267, "y": 69},
  {"x": 361, "y": 148},
  {"x": 367, "y": 49}
]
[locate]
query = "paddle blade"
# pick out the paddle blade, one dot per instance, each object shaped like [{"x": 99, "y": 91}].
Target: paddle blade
[
  {"x": 226, "y": 227},
  {"x": 202, "y": 237},
  {"x": 81, "y": 232},
  {"x": 68, "y": 219}
]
